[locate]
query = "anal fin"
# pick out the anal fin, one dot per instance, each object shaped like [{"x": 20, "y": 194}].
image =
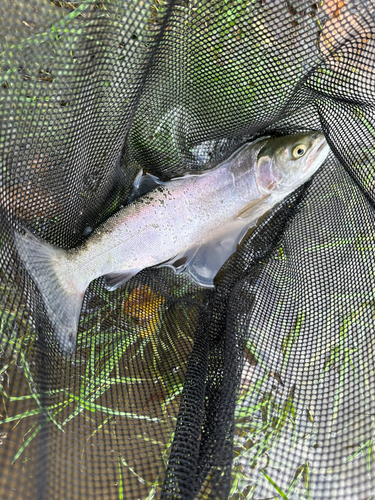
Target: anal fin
[{"x": 115, "y": 280}]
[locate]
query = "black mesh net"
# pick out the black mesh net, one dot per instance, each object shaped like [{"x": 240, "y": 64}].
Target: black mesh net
[{"x": 261, "y": 387}]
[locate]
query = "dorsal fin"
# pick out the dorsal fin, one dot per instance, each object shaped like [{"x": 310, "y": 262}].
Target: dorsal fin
[{"x": 143, "y": 183}]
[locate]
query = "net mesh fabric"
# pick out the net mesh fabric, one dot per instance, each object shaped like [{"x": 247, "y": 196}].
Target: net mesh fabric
[{"x": 262, "y": 387}]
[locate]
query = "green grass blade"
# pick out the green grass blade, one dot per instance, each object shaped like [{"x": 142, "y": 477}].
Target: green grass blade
[
  {"x": 23, "y": 447},
  {"x": 290, "y": 340},
  {"x": 120, "y": 485},
  {"x": 271, "y": 481}
]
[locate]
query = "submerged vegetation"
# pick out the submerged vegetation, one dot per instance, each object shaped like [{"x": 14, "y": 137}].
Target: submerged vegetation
[
  {"x": 130, "y": 360},
  {"x": 133, "y": 346},
  {"x": 127, "y": 367}
]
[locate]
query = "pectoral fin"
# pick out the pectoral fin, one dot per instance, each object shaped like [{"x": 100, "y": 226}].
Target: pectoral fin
[
  {"x": 203, "y": 263},
  {"x": 209, "y": 258},
  {"x": 248, "y": 209}
]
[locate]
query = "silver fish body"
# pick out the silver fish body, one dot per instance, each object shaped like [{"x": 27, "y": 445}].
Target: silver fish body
[{"x": 193, "y": 223}]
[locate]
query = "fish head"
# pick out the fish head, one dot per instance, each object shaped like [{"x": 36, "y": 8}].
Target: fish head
[{"x": 284, "y": 163}]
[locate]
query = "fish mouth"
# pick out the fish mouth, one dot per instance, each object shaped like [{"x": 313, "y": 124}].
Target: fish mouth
[
  {"x": 315, "y": 155},
  {"x": 321, "y": 147}
]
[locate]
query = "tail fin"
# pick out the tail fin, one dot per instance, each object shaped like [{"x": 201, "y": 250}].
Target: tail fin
[{"x": 52, "y": 273}]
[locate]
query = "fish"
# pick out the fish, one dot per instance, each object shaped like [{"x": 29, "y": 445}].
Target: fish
[{"x": 191, "y": 223}]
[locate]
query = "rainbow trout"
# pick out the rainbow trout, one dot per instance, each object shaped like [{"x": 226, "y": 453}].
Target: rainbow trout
[{"x": 192, "y": 223}]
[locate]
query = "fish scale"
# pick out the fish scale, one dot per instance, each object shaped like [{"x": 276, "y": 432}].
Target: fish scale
[{"x": 192, "y": 224}]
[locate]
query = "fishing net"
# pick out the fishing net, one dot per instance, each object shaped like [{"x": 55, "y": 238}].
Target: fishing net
[{"x": 261, "y": 387}]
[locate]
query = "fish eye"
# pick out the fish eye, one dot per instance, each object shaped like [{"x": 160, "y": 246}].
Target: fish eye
[{"x": 299, "y": 151}]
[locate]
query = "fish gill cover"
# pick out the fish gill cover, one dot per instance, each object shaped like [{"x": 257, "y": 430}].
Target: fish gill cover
[{"x": 261, "y": 387}]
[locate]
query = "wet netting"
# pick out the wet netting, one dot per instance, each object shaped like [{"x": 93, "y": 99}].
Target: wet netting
[{"x": 260, "y": 387}]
